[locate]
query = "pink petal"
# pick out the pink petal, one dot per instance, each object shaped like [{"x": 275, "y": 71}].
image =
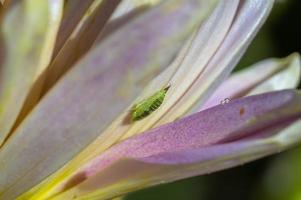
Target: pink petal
[
  {"x": 265, "y": 76},
  {"x": 94, "y": 92},
  {"x": 244, "y": 128}
]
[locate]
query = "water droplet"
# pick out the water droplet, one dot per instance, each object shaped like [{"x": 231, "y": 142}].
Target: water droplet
[{"x": 225, "y": 101}]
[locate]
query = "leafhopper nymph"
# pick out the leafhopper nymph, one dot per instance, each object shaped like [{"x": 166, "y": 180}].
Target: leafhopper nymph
[{"x": 149, "y": 105}]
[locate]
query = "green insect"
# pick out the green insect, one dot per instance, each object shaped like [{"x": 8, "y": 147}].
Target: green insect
[{"x": 149, "y": 105}]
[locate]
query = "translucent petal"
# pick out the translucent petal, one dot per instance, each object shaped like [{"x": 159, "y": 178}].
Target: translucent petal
[
  {"x": 265, "y": 76},
  {"x": 80, "y": 38},
  {"x": 94, "y": 92},
  {"x": 29, "y": 31},
  {"x": 204, "y": 66}
]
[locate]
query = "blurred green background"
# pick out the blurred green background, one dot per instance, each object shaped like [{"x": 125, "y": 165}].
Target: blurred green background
[{"x": 274, "y": 178}]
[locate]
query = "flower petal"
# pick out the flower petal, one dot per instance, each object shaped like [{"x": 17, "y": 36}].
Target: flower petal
[
  {"x": 26, "y": 54},
  {"x": 118, "y": 126},
  {"x": 208, "y": 39},
  {"x": 73, "y": 13},
  {"x": 128, "y": 6},
  {"x": 289, "y": 79},
  {"x": 56, "y": 11},
  {"x": 94, "y": 92},
  {"x": 125, "y": 12},
  {"x": 81, "y": 28},
  {"x": 81, "y": 38},
  {"x": 211, "y": 140},
  {"x": 248, "y": 20},
  {"x": 265, "y": 76},
  {"x": 220, "y": 22},
  {"x": 208, "y": 62}
]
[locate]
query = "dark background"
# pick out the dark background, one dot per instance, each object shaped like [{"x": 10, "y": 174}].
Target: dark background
[{"x": 274, "y": 178}]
